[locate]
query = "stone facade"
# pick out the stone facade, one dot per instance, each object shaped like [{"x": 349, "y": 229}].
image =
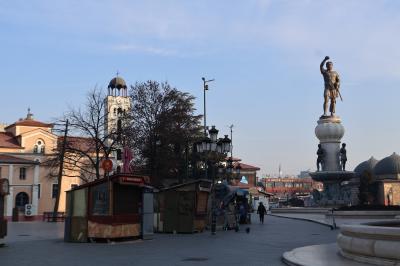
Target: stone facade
[{"x": 25, "y": 147}]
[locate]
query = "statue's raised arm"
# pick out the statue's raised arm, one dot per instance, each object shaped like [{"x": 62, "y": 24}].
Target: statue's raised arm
[{"x": 321, "y": 66}]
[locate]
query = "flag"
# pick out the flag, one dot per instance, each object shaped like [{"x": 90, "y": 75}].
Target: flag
[{"x": 127, "y": 159}]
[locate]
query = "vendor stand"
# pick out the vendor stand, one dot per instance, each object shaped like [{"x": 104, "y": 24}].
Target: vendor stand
[
  {"x": 183, "y": 208},
  {"x": 117, "y": 207}
]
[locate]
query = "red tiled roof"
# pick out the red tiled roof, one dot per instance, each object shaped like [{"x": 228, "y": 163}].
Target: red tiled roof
[
  {"x": 14, "y": 160},
  {"x": 30, "y": 123},
  {"x": 79, "y": 143},
  {"x": 246, "y": 166},
  {"x": 7, "y": 140}
]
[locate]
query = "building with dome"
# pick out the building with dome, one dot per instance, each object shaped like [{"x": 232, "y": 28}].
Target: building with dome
[
  {"x": 363, "y": 177},
  {"x": 379, "y": 181},
  {"x": 26, "y": 147},
  {"x": 117, "y": 103},
  {"x": 387, "y": 180}
]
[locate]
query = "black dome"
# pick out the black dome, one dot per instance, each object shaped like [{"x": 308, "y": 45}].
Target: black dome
[
  {"x": 366, "y": 166},
  {"x": 388, "y": 166},
  {"x": 117, "y": 83}
]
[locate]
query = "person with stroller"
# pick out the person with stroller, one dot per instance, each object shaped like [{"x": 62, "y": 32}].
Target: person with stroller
[{"x": 261, "y": 210}]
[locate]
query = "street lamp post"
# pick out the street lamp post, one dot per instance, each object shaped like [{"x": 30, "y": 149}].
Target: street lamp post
[
  {"x": 205, "y": 88},
  {"x": 213, "y": 146}
]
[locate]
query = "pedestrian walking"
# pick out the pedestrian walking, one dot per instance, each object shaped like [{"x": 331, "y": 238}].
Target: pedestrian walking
[{"x": 261, "y": 211}]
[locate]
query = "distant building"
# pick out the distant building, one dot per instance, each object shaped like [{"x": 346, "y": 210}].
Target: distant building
[
  {"x": 284, "y": 187},
  {"x": 304, "y": 174},
  {"x": 377, "y": 181},
  {"x": 245, "y": 175}
]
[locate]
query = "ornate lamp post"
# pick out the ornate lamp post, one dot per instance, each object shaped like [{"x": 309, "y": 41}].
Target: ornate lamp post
[
  {"x": 205, "y": 88},
  {"x": 211, "y": 147}
]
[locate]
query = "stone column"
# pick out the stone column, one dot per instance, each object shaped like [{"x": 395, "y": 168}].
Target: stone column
[
  {"x": 35, "y": 190},
  {"x": 10, "y": 197},
  {"x": 330, "y": 131}
]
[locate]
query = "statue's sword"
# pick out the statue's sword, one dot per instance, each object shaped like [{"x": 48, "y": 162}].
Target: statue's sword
[{"x": 340, "y": 95}]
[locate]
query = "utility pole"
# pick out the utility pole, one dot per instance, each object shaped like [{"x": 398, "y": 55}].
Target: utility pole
[{"x": 60, "y": 171}]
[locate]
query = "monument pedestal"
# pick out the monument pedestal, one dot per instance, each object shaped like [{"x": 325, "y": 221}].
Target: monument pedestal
[
  {"x": 335, "y": 192},
  {"x": 330, "y": 131}
]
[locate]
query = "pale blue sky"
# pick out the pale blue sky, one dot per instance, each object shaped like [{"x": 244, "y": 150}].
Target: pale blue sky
[{"x": 263, "y": 54}]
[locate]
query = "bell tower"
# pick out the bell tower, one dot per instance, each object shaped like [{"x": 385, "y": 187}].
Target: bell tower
[{"x": 117, "y": 103}]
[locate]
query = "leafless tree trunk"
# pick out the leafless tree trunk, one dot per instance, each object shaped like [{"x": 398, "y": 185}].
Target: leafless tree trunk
[{"x": 60, "y": 172}]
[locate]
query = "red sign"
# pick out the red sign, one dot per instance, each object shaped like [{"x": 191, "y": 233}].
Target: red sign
[
  {"x": 107, "y": 165},
  {"x": 131, "y": 180}
]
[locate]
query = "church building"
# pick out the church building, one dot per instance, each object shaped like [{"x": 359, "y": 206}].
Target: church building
[{"x": 26, "y": 147}]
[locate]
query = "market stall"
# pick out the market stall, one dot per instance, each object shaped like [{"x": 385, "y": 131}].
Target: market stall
[
  {"x": 120, "y": 206},
  {"x": 183, "y": 208}
]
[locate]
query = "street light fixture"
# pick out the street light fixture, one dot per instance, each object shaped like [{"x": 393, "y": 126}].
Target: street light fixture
[
  {"x": 226, "y": 144},
  {"x": 210, "y": 147}
]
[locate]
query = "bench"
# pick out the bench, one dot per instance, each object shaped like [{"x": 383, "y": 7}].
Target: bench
[{"x": 54, "y": 217}]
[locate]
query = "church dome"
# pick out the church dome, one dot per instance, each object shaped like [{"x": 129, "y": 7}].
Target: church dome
[
  {"x": 117, "y": 83},
  {"x": 388, "y": 166},
  {"x": 366, "y": 166}
]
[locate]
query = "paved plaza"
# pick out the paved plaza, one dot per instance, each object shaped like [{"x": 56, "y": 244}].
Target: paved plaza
[
  {"x": 42, "y": 244},
  {"x": 321, "y": 219}
]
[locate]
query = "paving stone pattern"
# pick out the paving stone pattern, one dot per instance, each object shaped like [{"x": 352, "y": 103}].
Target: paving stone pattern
[{"x": 40, "y": 243}]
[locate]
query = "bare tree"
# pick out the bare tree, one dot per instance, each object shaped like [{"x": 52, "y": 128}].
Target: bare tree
[{"x": 94, "y": 139}]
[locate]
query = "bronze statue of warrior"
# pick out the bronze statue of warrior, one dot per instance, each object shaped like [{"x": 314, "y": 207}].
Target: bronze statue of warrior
[{"x": 332, "y": 85}]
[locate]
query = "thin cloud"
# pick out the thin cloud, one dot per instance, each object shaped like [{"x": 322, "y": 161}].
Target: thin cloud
[{"x": 144, "y": 49}]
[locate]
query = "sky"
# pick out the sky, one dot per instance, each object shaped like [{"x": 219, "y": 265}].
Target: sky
[{"x": 264, "y": 56}]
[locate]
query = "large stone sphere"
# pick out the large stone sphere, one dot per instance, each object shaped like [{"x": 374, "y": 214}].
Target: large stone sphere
[{"x": 329, "y": 131}]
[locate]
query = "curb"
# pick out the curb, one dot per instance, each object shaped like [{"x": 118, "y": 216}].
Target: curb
[{"x": 307, "y": 220}]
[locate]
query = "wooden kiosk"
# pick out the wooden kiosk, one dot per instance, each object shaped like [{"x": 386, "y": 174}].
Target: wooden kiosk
[
  {"x": 117, "y": 207},
  {"x": 183, "y": 208}
]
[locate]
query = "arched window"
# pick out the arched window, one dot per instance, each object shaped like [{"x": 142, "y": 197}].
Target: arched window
[
  {"x": 21, "y": 200},
  {"x": 119, "y": 125},
  {"x": 39, "y": 147}
]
